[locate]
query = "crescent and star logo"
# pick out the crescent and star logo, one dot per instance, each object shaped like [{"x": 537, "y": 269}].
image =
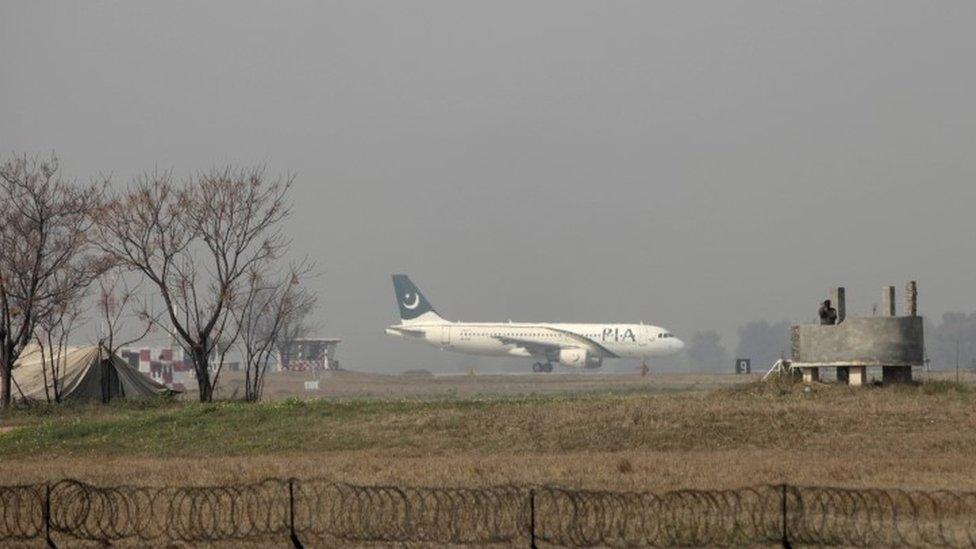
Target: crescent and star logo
[{"x": 406, "y": 301}]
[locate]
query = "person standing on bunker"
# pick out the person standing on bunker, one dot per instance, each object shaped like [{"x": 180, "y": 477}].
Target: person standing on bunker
[{"x": 828, "y": 314}]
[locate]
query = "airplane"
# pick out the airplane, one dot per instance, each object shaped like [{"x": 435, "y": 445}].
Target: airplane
[{"x": 577, "y": 346}]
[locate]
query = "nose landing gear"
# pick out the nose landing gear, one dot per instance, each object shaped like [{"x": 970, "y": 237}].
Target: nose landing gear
[{"x": 540, "y": 367}]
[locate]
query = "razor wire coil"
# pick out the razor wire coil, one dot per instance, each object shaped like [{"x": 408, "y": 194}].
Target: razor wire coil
[{"x": 324, "y": 513}]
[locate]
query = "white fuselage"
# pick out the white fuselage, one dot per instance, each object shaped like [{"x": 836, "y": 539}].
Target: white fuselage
[{"x": 575, "y": 345}]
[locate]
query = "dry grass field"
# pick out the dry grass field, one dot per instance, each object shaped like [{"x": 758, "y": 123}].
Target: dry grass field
[{"x": 615, "y": 432}]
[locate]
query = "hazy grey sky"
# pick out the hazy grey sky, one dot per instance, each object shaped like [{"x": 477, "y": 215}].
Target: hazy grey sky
[{"x": 691, "y": 164}]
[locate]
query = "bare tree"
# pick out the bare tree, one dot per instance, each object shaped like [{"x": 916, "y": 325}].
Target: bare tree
[
  {"x": 52, "y": 335},
  {"x": 45, "y": 256},
  {"x": 195, "y": 242},
  {"x": 296, "y": 325},
  {"x": 225, "y": 343},
  {"x": 269, "y": 311},
  {"x": 118, "y": 306}
]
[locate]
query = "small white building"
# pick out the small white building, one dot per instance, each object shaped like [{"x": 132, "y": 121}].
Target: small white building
[{"x": 309, "y": 354}]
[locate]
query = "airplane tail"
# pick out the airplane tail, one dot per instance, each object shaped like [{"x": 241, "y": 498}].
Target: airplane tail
[{"x": 414, "y": 307}]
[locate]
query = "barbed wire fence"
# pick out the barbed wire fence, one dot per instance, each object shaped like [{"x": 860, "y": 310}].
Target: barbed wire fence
[{"x": 318, "y": 512}]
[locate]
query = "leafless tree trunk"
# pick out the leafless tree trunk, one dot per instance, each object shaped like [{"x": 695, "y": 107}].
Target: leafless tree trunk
[
  {"x": 45, "y": 254},
  {"x": 195, "y": 242},
  {"x": 52, "y": 336},
  {"x": 269, "y": 311},
  {"x": 225, "y": 343}
]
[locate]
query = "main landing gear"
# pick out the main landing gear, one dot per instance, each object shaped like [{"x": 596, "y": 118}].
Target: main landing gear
[{"x": 540, "y": 367}]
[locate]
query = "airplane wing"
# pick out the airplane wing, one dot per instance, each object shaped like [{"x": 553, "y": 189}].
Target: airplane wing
[
  {"x": 544, "y": 347},
  {"x": 405, "y": 331},
  {"x": 532, "y": 346}
]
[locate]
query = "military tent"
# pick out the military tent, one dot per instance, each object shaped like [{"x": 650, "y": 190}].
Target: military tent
[{"x": 84, "y": 373}]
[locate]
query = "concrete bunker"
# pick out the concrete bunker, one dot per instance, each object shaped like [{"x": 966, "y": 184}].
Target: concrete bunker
[{"x": 894, "y": 343}]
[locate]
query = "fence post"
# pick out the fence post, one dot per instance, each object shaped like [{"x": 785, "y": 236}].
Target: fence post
[
  {"x": 532, "y": 543},
  {"x": 295, "y": 542},
  {"x": 47, "y": 516},
  {"x": 786, "y": 531}
]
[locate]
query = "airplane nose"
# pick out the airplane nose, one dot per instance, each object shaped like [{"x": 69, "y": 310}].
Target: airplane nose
[{"x": 677, "y": 344}]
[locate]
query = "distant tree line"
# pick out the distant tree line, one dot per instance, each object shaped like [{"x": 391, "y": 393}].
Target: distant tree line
[
  {"x": 952, "y": 340},
  {"x": 761, "y": 342},
  {"x": 201, "y": 259}
]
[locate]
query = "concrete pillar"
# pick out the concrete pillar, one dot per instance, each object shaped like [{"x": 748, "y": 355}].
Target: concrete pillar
[
  {"x": 887, "y": 301},
  {"x": 839, "y": 300},
  {"x": 911, "y": 298},
  {"x": 896, "y": 374},
  {"x": 811, "y": 375},
  {"x": 795, "y": 342},
  {"x": 858, "y": 376}
]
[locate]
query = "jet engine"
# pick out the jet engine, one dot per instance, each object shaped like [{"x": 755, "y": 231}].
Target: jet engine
[{"x": 573, "y": 357}]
